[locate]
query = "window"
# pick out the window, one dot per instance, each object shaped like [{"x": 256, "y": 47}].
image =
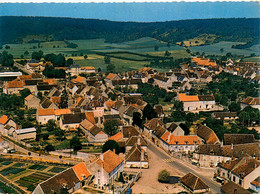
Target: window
[
  {"x": 223, "y": 174},
  {"x": 234, "y": 179},
  {"x": 240, "y": 182}
]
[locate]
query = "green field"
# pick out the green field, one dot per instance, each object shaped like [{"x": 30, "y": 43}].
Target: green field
[{"x": 214, "y": 49}]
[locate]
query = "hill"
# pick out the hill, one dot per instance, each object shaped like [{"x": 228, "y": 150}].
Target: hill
[{"x": 19, "y": 29}]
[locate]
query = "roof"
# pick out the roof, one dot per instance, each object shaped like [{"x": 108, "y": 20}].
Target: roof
[
  {"x": 130, "y": 110},
  {"x": 233, "y": 188},
  {"x": 184, "y": 98},
  {"x": 24, "y": 77},
  {"x": 45, "y": 112},
  {"x": 3, "y": 119},
  {"x": 73, "y": 118},
  {"x": 110, "y": 162},
  {"x": 90, "y": 117},
  {"x": 207, "y": 134},
  {"x": 81, "y": 171},
  {"x": 206, "y": 98},
  {"x": 256, "y": 182},
  {"x": 116, "y": 137},
  {"x": 86, "y": 124},
  {"x": 193, "y": 182},
  {"x": 55, "y": 183},
  {"x": 29, "y": 97},
  {"x": 135, "y": 154},
  {"x": 50, "y": 81},
  {"x": 134, "y": 139},
  {"x": 246, "y": 168},
  {"x": 238, "y": 138},
  {"x": 95, "y": 130},
  {"x": 79, "y": 79},
  {"x": 62, "y": 111},
  {"x": 27, "y": 130},
  {"x": 237, "y": 151},
  {"x": 251, "y": 101},
  {"x": 15, "y": 84},
  {"x": 153, "y": 123},
  {"x": 111, "y": 76},
  {"x": 46, "y": 102},
  {"x": 88, "y": 68},
  {"x": 129, "y": 131},
  {"x": 159, "y": 131},
  {"x": 179, "y": 140},
  {"x": 203, "y": 62},
  {"x": 224, "y": 114},
  {"x": 109, "y": 104}
]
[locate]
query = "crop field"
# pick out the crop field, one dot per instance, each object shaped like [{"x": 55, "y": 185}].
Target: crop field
[
  {"x": 38, "y": 167},
  {"x": 11, "y": 170},
  {"x": 214, "y": 49},
  {"x": 56, "y": 169},
  {"x": 252, "y": 59}
]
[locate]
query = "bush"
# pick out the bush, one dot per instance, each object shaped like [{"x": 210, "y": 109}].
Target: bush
[{"x": 164, "y": 176}]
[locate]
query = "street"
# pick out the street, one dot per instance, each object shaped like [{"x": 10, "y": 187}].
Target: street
[{"x": 185, "y": 167}]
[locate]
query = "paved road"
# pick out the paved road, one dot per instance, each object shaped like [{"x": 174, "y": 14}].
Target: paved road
[{"x": 184, "y": 167}]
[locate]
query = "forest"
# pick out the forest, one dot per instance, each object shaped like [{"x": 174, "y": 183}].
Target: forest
[{"x": 232, "y": 29}]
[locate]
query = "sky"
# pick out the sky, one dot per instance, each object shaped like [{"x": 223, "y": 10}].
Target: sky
[{"x": 139, "y": 12}]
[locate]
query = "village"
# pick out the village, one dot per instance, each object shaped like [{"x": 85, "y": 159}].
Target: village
[{"x": 140, "y": 131}]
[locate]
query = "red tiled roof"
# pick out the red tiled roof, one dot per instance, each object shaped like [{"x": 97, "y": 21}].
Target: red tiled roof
[
  {"x": 45, "y": 112},
  {"x": 110, "y": 76},
  {"x": 184, "y": 98},
  {"x": 110, "y": 162},
  {"x": 81, "y": 171},
  {"x": 28, "y": 97},
  {"x": 90, "y": 117},
  {"x": 179, "y": 140},
  {"x": 3, "y": 119},
  {"x": 116, "y": 137},
  {"x": 15, "y": 84}
]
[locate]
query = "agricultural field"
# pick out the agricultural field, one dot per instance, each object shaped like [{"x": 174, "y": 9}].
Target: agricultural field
[
  {"x": 27, "y": 175},
  {"x": 215, "y": 49},
  {"x": 200, "y": 40}
]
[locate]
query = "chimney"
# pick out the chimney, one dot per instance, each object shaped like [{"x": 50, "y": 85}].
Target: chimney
[
  {"x": 138, "y": 141},
  {"x": 169, "y": 136},
  {"x": 221, "y": 143},
  {"x": 232, "y": 146},
  {"x": 142, "y": 155},
  {"x": 102, "y": 157},
  {"x": 114, "y": 150}
]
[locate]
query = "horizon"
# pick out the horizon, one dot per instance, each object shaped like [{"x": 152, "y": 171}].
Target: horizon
[{"x": 135, "y": 12}]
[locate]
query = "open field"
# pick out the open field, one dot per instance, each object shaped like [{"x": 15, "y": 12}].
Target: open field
[{"x": 214, "y": 49}]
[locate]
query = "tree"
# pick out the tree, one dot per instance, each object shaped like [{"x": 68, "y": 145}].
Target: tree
[
  {"x": 178, "y": 105},
  {"x": 6, "y": 59},
  {"x": 107, "y": 59},
  {"x": 111, "y": 127},
  {"x": 45, "y": 136},
  {"x": 60, "y": 157},
  {"x": 167, "y": 54},
  {"x": 221, "y": 50},
  {"x": 64, "y": 190},
  {"x": 85, "y": 56},
  {"x": 111, "y": 68},
  {"x": 164, "y": 176},
  {"x": 49, "y": 148},
  {"x": 137, "y": 119},
  {"x": 64, "y": 100},
  {"x": 99, "y": 69},
  {"x": 149, "y": 112},
  {"x": 75, "y": 144},
  {"x": 69, "y": 62},
  {"x": 111, "y": 145},
  {"x": 37, "y": 55},
  {"x": 25, "y": 92},
  {"x": 178, "y": 116},
  {"x": 234, "y": 107},
  {"x": 51, "y": 125},
  {"x": 156, "y": 48},
  {"x": 29, "y": 153},
  {"x": 7, "y": 47}
]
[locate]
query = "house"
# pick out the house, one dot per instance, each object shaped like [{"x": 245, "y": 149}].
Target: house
[
  {"x": 151, "y": 125},
  {"x": 82, "y": 172},
  {"x": 7, "y": 125},
  {"x": 255, "y": 185},
  {"x": 71, "y": 121},
  {"x": 159, "y": 110},
  {"x": 194, "y": 184},
  {"x": 46, "y": 103},
  {"x": 254, "y": 102},
  {"x": 129, "y": 112},
  {"x": 162, "y": 82},
  {"x": 209, "y": 155},
  {"x": 225, "y": 115},
  {"x": 13, "y": 87},
  {"x": 27, "y": 133},
  {"x": 44, "y": 115},
  {"x": 207, "y": 135},
  {"x": 234, "y": 139},
  {"x": 135, "y": 140},
  {"x": 194, "y": 103},
  {"x": 93, "y": 132},
  {"x": 241, "y": 171},
  {"x": 66, "y": 179},
  {"x": 106, "y": 168},
  {"x": 137, "y": 158},
  {"x": 233, "y": 188},
  {"x": 32, "y": 102},
  {"x": 88, "y": 69},
  {"x": 175, "y": 129},
  {"x": 172, "y": 143}
]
